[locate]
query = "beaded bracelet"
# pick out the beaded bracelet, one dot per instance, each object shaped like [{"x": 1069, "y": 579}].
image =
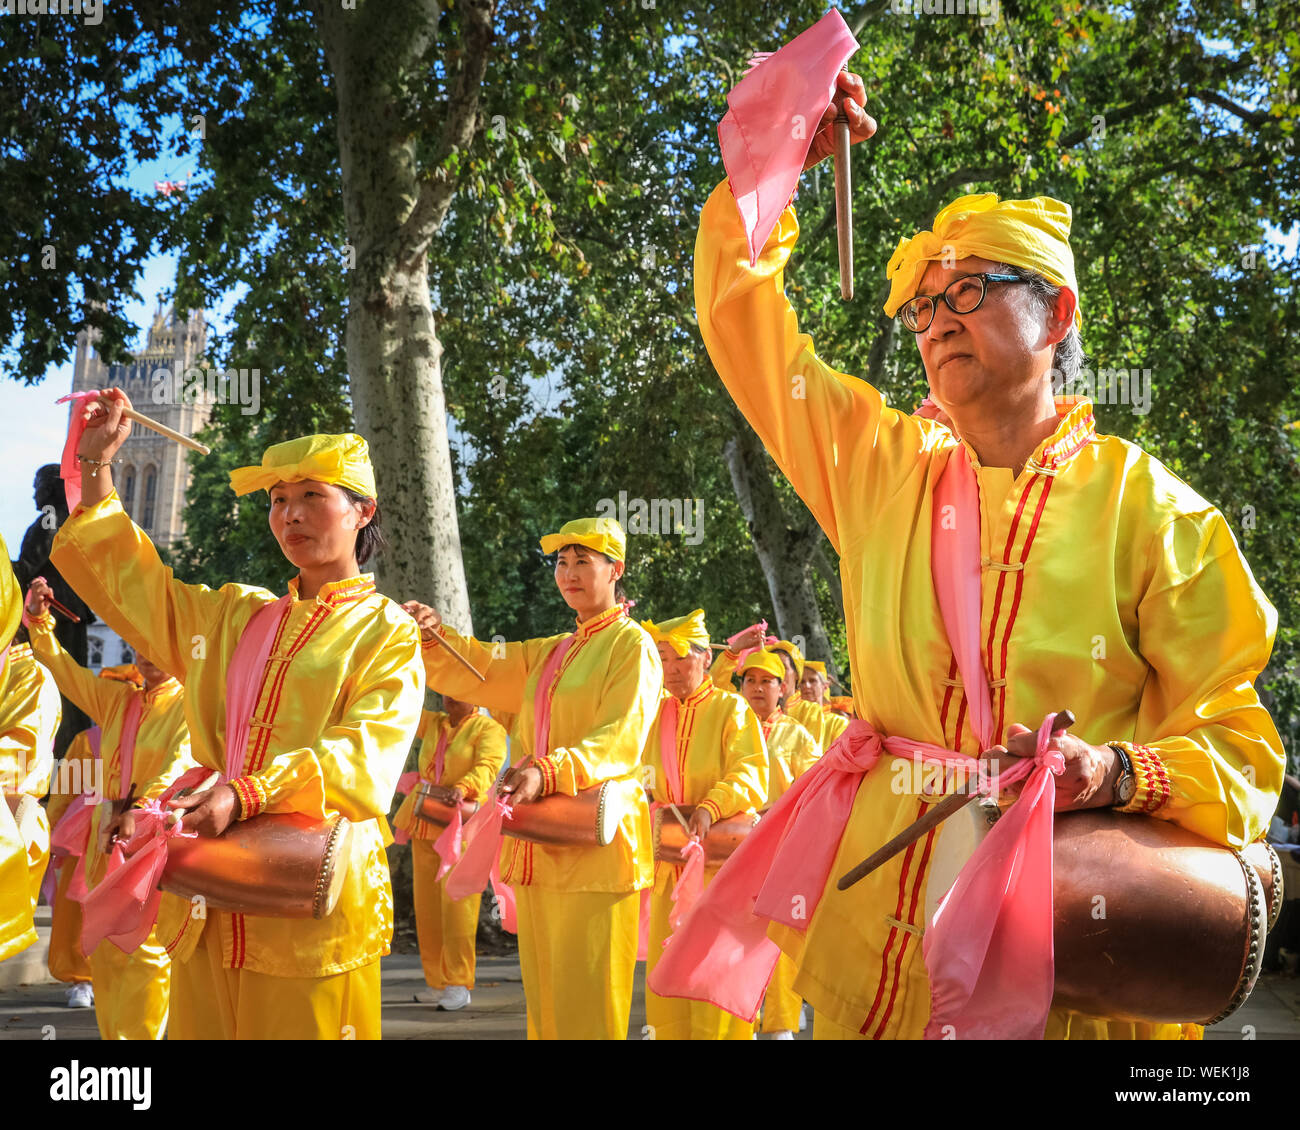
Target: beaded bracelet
[{"x": 96, "y": 463}]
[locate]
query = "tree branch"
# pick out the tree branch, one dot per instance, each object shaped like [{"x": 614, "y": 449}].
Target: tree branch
[{"x": 458, "y": 131}]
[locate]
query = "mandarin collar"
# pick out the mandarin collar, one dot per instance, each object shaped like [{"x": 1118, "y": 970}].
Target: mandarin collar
[
  {"x": 1075, "y": 428},
  {"x": 334, "y": 593},
  {"x": 588, "y": 628}
]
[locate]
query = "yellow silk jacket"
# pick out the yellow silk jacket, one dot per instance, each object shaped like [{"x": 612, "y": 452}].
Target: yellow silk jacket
[
  {"x": 791, "y": 751},
  {"x": 338, "y": 708},
  {"x": 476, "y": 750},
  {"x": 162, "y": 744},
  {"x": 720, "y": 757},
  {"x": 1109, "y": 586},
  {"x": 30, "y": 710},
  {"x": 602, "y": 706}
]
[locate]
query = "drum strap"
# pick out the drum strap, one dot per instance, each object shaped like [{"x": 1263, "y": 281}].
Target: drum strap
[{"x": 244, "y": 680}]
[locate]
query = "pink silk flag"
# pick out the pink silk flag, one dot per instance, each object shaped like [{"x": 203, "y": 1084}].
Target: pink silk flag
[{"x": 774, "y": 110}]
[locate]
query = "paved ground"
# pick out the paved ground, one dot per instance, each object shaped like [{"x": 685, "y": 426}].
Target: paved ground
[
  {"x": 497, "y": 1009},
  {"x": 496, "y": 1012}
]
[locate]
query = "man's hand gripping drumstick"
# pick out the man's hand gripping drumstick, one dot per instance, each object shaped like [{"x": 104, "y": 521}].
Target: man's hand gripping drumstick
[{"x": 1087, "y": 781}]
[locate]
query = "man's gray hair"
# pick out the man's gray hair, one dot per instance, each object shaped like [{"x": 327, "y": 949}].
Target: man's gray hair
[{"x": 1067, "y": 356}]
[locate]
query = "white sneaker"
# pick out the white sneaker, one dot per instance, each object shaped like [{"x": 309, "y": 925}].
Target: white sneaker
[
  {"x": 785, "y": 1035},
  {"x": 803, "y": 1017},
  {"x": 81, "y": 995},
  {"x": 454, "y": 997},
  {"x": 429, "y": 996}
]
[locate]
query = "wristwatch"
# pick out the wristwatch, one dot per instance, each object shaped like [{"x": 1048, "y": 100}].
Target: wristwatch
[{"x": 1126, "y": 782}]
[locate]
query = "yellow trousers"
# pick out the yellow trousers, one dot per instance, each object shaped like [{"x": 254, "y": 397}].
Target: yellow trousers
[
  {"x": 446, "y": 929},
  {"x": 131, "y": 990},
  {"x": 577, "y": 954},
  {"x": 781, "y": 1004},
  {"x": 211, "y": 1002},
  {"x": 671, "y": 1018},
  {"x": 66, "y": 961}
]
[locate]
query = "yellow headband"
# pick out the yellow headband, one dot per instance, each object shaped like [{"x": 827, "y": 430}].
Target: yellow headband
[
  {"x": 793, "y": 652},
  {"x": 680, "y": 633},
  {"x": 762, "y": 661},
  {"x": 1033, "y": 234},
  {"x": 604, "y": 535},
  {"x": 343, "y": 460},
  {"x": 11, "y": 599}
]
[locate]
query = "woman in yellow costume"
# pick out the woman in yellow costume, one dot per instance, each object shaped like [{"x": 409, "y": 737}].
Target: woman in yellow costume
[
  {"x": 30, "y": 709},
  {"x": 706, "y": 750},
  {"x": 77, "y": 773},
  {"x": 461, "y": 753},
  {"x": 791, "y": 752},
  {"x": 578, "y": 906},
  {"x": 813, "y": 688},
  {"x": 810, "y": 715},
  {"x": 336, "y": 709},
  {"x": 146, "y": 727},
  {"x": 1156, "y": 653}
]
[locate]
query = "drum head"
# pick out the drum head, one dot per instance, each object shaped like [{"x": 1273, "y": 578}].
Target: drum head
[
  {"x": 334, "y": 869},
  {"x": 608, "y": 815}
]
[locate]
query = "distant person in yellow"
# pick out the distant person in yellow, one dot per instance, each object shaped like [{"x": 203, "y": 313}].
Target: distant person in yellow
[
  {"x": 461, "y": 753},
  {"x": 337, "y": 707},
  {"x": 80, "y": 770},
  {"x": 719, "y": 766},
  {"x": 813, "y": 688},
  {"x": 810, "y": 715},
  {"x": 131, "y": 991},
  {"x": 577, "y": 906},
  {"x": 791, "y": 752},
  {"x": 30, "y": 710},
  {"x": 1107, "y": 584}
]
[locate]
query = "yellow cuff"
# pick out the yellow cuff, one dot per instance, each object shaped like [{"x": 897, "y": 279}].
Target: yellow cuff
[
  {"x": 1153, "y": 788},
  {"x": 550, "y": 771},
  {"x": 711, "y": 807},
  {"x": 252, "y": 796}
]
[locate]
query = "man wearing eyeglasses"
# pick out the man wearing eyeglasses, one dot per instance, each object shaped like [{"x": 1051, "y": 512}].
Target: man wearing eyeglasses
[{"x": 1106, "y": 584}]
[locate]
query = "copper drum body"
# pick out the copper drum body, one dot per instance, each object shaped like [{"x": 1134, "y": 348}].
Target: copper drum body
[
  {"x": 724, "y": 837},
  {"x": 430, "y": 808},
  {"x": 590, "y": 819},
  {"x": 1179, "y": 936},
  {"x": 273, "y": 866}
]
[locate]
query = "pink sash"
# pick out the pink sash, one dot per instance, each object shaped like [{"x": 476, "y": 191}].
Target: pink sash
[
  {"x": 124, "y": 906},
  {"x": 69, "y": 465},
  {"x": 981, "y": 971},
  {"x": 481, "y": 859}
]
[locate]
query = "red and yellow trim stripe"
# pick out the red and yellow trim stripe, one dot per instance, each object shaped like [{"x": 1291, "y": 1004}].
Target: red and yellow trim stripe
[{"x": 1153, "y": 784}]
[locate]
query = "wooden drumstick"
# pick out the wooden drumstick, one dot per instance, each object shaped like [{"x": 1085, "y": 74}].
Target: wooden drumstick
[
  {"x": 164, "y": 430},
  {"x": 456, "y": 655},
  {"x": 932, "y": 819},
  {"x": 680, "y": 818},
  {"x": 844, "y": 200},
  {"x": 65, "y": 611}
]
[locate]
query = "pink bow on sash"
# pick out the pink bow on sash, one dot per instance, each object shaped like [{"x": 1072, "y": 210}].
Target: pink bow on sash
[
  {"x": 989, "y": 949},
  {"x": 762, "y": 148},
  {"x": 124, "y": 906},
  {"x": 481, "y": 859}
]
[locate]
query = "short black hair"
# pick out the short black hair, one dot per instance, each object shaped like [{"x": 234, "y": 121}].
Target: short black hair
[{"x": 370, "y": 538}]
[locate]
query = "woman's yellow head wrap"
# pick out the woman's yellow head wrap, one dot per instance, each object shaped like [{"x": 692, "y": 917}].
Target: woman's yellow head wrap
[
  {"x": 343, "y": 460},
  {"x": 817, "y": 666},
  {"x": 1033, "y": 234},
  {"x": 793, "y": 652},
  {"x": 604, "y": 535},
  {"x": 11, "y": 599},
  {"x": 680, "y": 633},
  {"x": 762, "y": 661}
]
